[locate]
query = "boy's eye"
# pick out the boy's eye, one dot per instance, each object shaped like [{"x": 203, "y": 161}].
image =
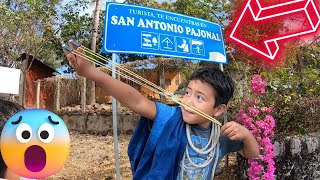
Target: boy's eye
[
  {"x": 187, "y": 93},
  {"x": 200, "y": 98}
]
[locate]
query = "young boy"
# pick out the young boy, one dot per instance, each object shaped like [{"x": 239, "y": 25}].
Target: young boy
[{"x": 174, "y": 142}]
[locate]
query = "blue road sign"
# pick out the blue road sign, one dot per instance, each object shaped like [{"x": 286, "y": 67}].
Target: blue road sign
[{"x": 143, "y": 30}]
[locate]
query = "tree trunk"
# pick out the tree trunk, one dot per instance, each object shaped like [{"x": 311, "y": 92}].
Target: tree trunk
[
  {"x": 22, "y": 88},
  {"x": 92, "y": 84}
]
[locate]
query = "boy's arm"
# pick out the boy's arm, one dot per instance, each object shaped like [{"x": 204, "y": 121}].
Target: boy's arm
[
  {"x": 237, "y": 132},
  {"x": 127, "y": 95}
]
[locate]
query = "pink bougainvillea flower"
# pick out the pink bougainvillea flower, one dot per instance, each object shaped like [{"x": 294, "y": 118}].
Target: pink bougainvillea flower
[
  {"x": 253, "y": 112},
  {"x": 261, "y": 124}
]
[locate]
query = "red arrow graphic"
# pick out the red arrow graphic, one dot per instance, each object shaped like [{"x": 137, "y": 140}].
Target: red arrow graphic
[{"x": 253, "y": 12}]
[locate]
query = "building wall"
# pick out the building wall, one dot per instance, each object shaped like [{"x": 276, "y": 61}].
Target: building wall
[
  {"x": 36, "y": 72},
  {"x": 172, "y": 79}
]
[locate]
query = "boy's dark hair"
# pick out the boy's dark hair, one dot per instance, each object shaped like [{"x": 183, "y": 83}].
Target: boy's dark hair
[
  {"x": 221, "y": 83},
  {"x": 7, "y": 109}
]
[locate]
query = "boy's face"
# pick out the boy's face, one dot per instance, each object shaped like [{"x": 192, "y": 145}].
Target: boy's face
[{"x": 201, "y": 96}]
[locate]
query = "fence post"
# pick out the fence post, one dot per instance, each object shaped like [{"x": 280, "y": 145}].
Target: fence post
[
  {"x": 38, "y": 94},
  {"x": 162, "y": 80},
  {"x": 83, "y": 94},
  {"x": 57, "y": 95},
  {"x": 11, "y": 98}
]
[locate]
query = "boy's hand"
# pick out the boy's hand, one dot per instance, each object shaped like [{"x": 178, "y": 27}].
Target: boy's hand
[
  {"x": 234, "y": 131},
  {"x": 237, "y": 132},
  {"x": 80, "y": 65}
]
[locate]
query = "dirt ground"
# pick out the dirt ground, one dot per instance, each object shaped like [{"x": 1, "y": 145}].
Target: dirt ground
[{"x": 92, "y": 157}]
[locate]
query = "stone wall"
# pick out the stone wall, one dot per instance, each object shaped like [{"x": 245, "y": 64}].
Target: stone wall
[
  {"x": 100, "y": 124},
  {"x": 296, "y": 158}
]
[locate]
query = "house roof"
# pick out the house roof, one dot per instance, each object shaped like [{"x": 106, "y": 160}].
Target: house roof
[
  {"x": 169, "y": 63},
  {"x": 34, "y": 61}
]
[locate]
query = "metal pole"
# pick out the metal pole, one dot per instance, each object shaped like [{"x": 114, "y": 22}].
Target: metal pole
[
  {"x": 225, "y": 112},
  {"x": 114, "y": 118},
  {"x": 221, "y": 67}
]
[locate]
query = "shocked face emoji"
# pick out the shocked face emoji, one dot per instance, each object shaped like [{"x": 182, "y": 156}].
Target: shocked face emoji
[{"x": 35, "y": 143}]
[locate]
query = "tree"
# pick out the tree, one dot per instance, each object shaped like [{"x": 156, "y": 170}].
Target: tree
[
  {"x": 82, "y": 28},
  {"x": 212, "y": 10},
  {"x": 73, "y": 25},
  {"x": 255, "y": 32},
  {"x": 92, "y": 85},
  {"x": 26, "y": 27}
]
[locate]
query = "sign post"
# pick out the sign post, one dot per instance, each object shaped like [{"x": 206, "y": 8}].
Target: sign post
[{"x": 115, "y": 122}]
